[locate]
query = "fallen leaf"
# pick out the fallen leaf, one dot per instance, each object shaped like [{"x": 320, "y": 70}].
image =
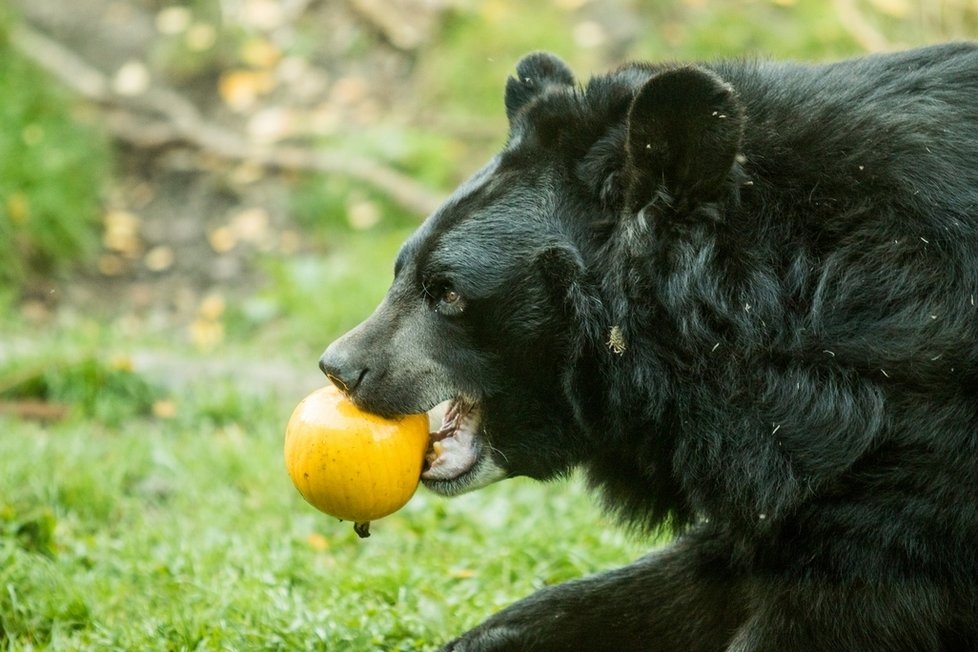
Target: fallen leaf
[
  {"x": 289, "y": 242},
  {"x": 240, "y": 89},
  {"x": 173, "y": 20},
  {"x": 121, "y": 363},
  {"x": 264, "y": 14},
  {"x": 317, "y": 541},
  {"x": 349, "y": 90},
  {"x": 121, "y": 233},
  {"x": 222, "y": 239},
  {"x": 111, "y": 265},
  {"x": 251, "y": 226},
  {"x": 211, "y": 307},
  {"x": 18, "y": 208},
  {"x": 270, "y": 125},
  {"x": 132, "y": 78},
  {"x": 205, "y": 333},
  {"x": 34, "y": 410},
  {"x": 247, "y": 173},
  {"x": 362, "y": 215},
  {"x": 164, "y": 409},
  {"x": 159, "y": 258},
  {"x": 589, "y": 34},
  {"x": 200, "y": 37},
  {"x": 260, "y": 53}
]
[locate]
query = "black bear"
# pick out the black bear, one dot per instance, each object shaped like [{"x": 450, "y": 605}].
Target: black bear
[{"x": 742, "y": 297}]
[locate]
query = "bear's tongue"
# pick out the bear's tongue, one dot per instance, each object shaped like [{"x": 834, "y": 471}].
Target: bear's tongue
[{"x": 452, "y": 449}]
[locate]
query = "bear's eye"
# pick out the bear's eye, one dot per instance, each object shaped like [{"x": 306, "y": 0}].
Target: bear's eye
[
  {"x": 450, "y": 302},
  {"x": 443, "y": 297}
]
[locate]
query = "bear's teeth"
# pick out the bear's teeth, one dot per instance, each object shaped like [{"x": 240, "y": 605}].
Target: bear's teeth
[
  {"x": 444, "y": 433},
  {"x": 448, "y": 428}
]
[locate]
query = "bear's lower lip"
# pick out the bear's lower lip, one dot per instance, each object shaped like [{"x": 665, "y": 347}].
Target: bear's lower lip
[
  {"x": 470, "y": 479},
  {"x": 454, "y": 448}
]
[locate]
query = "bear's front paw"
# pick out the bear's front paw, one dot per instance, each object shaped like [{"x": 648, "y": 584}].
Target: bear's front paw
[{"x": 489, "y": 639}]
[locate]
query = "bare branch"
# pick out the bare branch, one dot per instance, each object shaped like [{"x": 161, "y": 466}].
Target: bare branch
[
  {"x": 859, "y": 26},
  {"x": 160, "y": 117}
]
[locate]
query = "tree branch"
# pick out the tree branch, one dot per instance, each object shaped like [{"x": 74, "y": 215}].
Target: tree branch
[
  {"x": 160, "y": 117},
  {"x": 859, "y": 27}
]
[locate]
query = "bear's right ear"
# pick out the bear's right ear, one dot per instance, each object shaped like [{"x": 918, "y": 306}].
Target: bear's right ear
[
  {"x": 534, "y": 73},
  {"x": 684, "y": 133}
]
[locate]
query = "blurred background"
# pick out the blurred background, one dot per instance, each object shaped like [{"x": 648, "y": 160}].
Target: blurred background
[{"x": 195, "y": 198}]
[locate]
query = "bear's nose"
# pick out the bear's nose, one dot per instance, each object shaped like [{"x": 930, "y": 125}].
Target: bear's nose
[{"x": 341, "y": 369}]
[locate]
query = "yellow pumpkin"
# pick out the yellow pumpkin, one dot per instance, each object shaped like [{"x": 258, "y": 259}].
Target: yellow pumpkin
[{"x": 351, "y": 464}]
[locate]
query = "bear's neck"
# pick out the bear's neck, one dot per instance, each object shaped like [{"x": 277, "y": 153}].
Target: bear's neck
[{"x": 620, "y": 383}]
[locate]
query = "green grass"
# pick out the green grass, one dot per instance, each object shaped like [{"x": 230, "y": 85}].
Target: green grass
[
  {"x": 119, "y": 530},
  {"x": 52, "y": 172},
  {"x": 186, "y": 534}
]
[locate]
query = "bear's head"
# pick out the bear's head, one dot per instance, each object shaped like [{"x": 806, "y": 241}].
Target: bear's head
[{"x": 499, "y": 304}]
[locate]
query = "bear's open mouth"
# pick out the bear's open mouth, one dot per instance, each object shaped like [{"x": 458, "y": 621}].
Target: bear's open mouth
[{"x": 454, "y": 448}]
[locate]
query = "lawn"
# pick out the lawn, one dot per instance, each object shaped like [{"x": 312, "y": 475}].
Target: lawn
[
  {"x": 186, "y": 534},
  {"x": 157, "y": 514}
]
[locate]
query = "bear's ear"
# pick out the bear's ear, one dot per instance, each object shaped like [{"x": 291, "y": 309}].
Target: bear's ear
[
  {"x": 563, "y": 272},
  {"x": 534, "y": 73},
  {"x": 684, "y": 132}
]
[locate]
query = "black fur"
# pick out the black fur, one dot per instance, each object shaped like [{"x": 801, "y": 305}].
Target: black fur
[{"x": 742, "y": 296}]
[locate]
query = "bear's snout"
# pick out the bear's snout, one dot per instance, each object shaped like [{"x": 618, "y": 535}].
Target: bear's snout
[{"x": 342, "y": 366}]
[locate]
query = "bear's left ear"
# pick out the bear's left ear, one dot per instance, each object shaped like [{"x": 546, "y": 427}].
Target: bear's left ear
[
  {"x": 684, "y": 132},
  {"x": 563, "y": 273},
  {"x": 534, "y": 73}
]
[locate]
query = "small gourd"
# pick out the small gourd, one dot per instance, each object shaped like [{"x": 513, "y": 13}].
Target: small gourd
[{"x": 351, "y": 464}]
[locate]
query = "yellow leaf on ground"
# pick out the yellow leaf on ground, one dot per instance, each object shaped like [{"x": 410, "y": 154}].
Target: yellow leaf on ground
[
  {"x": 111, "y": 265},
  {"x": 240, "y": 89},
  {"x": 271, "y": 124},
  {"x": 34, "y": 409},
  {"x": 205, "y": 333},
  {"x": 317, "y": 541},
  {"x": 349, "y": 90},
  {"x": 159, "y": 259},
  {"x": 251, "y": 225},
  {"x": 121, "y": 232},
  {"x": 164, "y": 409},
  {"x": 363, "y": 214},
  {"x": 131, "y": 79},
  {"x": 263, "y": 14},
  {"x": 211, "y": 307},
  {"x": 18, "y": 208},
  {"x": 260, "y": 53},
  {"x": 200, "y": 37},
  {"x": 121, "y": 363},
  {"x": 173, "y": 20},
  {"x": 289, "y": 242},
  {"x": 222, "y": 239}
]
